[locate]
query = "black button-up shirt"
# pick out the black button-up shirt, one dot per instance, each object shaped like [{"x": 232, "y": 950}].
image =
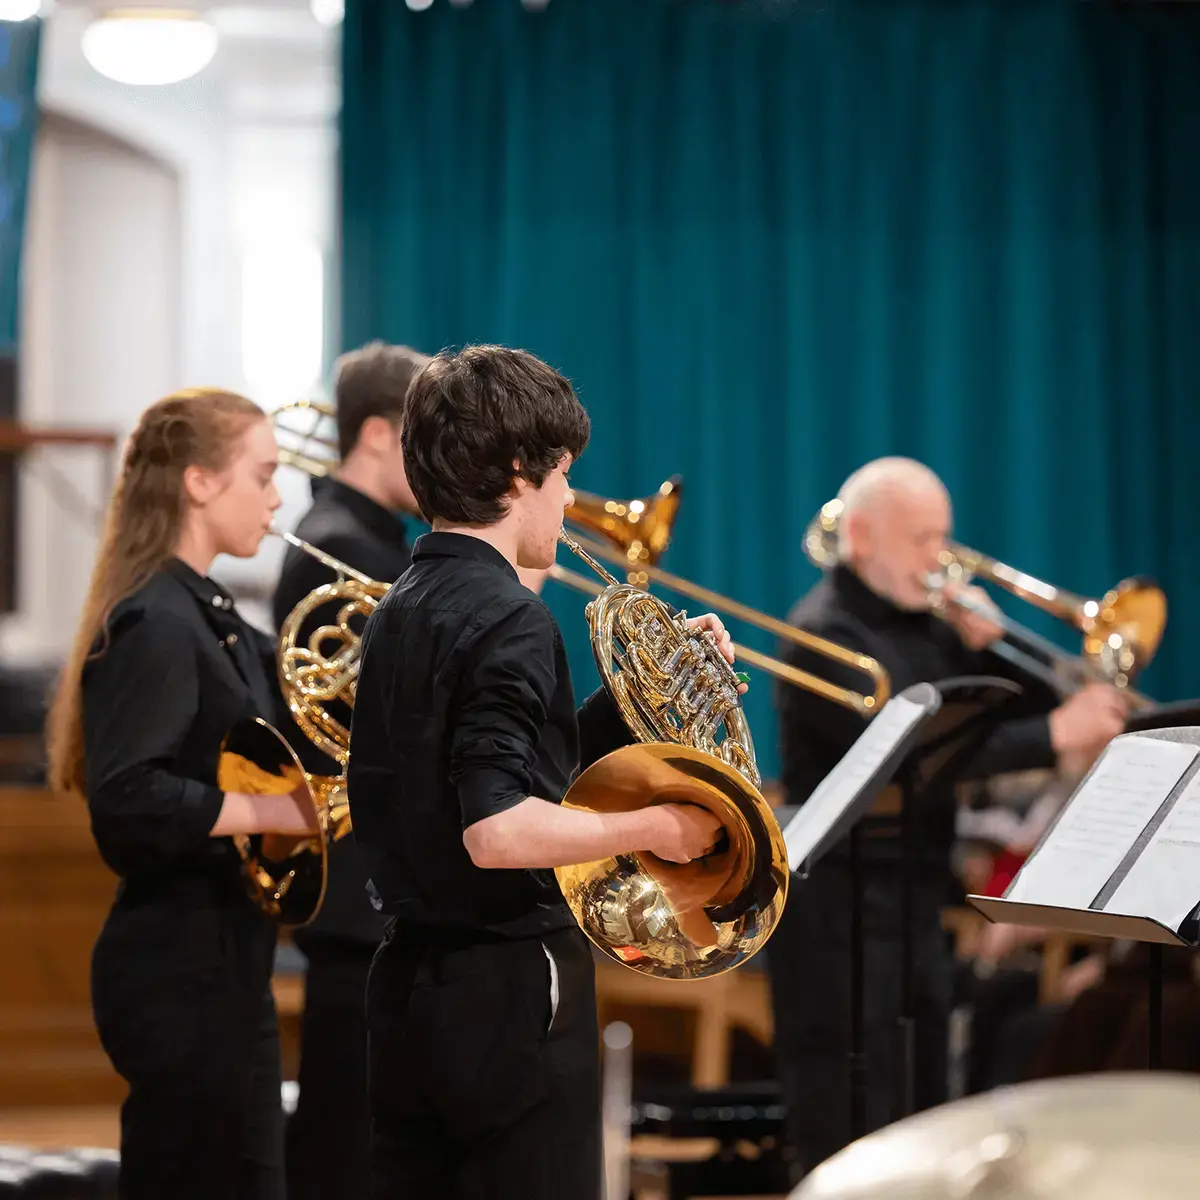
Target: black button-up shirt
[
  {"x": 180, "y": 668},
  {"x": 913, "y": 647},
  {"x": 367, "y": 537},
  {"x": 464, "y": 708}
]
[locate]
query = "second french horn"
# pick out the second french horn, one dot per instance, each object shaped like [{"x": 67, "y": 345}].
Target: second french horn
[{"x": 318, "y": 673}]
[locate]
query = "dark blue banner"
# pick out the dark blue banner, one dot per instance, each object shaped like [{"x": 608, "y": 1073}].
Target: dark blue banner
[{"x": 19, "y": 42}]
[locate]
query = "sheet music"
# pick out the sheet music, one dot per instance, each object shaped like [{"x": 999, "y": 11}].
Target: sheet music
[
  {"x": 836, "y": 792},
  {"x": 1102, "y": 821},
  {"x": 1164, "y": 883}
]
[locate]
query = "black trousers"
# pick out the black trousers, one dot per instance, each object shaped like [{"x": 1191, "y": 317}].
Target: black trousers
[
  {"x": 182, "y": 1002},
  {"x": 1004, "y": 1030},
  {"x": 328, "y": 1136},
  {"x": 481, "y": 1086},
  {"x": 809, "y": 962}
]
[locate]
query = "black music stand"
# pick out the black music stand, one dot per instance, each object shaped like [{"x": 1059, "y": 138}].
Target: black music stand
[
  {"x": 971, "y": 709},
  {"x": 1176, "y": 715},
  {"x": 1149, "y": 896},
  {"x": 843, "y": 797}
]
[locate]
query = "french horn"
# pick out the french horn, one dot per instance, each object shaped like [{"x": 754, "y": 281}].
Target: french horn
[
  {"x": 680, "y": 700},
  {"x": 286, "y": 875}
]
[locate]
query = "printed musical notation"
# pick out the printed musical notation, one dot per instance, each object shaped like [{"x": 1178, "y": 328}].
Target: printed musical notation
[{"x": 1102, "y": 822}]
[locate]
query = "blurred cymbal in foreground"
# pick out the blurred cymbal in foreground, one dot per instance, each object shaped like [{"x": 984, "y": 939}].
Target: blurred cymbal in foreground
[{"x": 1088, "y": 1137}]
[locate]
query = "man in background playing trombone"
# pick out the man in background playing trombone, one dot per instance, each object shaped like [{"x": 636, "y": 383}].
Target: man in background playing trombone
[
  {"x": 355, "y": 517},
  {"x": 895, "y": 523}
]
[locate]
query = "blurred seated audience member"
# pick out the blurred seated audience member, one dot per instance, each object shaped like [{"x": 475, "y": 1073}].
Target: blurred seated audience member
[
  {"x": 1105, "y": 1026},
  {"x": 1008, "y": 1021}
]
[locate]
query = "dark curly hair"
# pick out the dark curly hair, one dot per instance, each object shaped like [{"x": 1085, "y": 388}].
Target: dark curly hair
[{"x": 478, "y": 420}]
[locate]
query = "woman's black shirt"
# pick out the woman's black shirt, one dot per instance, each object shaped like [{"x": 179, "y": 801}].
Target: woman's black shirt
[{"x": 180, "y": 668}]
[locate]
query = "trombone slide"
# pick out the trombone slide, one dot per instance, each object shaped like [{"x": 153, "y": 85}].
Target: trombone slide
[{"x": 865, "y": 704}]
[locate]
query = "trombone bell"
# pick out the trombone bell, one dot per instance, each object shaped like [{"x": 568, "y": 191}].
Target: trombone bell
[
  {"x": 1123, "y": 630},
  {"x": 641, "y": 528},
  {"x": 821, "y": 536},
  {"x": 679, "y": 920},
  {"x": 302, "y": 444}
]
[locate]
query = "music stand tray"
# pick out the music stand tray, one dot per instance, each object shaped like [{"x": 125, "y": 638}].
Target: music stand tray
[
  {"x": 847, "y": 793},
  {"x": 1176, "y": 715},
  {"x": 1122, "y": 858}
]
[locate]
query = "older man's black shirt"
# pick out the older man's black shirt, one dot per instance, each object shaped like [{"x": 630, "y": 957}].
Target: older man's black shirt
[
  {"x": 367, "y": 537},
  {"x": 464, "y": 708},
  {"x": 913, "y": 647}
]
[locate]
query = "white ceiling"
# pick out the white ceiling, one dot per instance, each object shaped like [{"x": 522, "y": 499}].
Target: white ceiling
[
  {"x": 275, "y": 62},
  {"x": 265, "y": 20}
]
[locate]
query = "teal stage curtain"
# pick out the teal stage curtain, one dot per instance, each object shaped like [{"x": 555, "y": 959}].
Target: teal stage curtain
[
  {"x": 19, "y": 50},
  {"x": 771, "y": 241},
  {"x": 19, "y": 47}
]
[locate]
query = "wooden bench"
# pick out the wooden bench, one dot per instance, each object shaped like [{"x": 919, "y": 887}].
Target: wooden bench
[{"x": 736, "y": 999}]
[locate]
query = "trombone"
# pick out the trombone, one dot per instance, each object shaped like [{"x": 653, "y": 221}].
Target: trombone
[
  {"x": 1121, "y": 631},
  {"x": 635, "y": 534},
  {"x": 307, "y": 449},
  {"x": 641, "y": 530}
]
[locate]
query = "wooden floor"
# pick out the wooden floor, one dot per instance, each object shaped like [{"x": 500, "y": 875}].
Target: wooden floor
[{"x": 56, "y": 1128}]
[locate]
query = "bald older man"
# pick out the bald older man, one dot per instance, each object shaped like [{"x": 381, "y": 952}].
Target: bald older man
[{"x": 896, "y": 520}]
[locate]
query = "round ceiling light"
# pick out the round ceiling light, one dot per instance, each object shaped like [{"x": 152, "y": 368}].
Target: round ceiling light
[
  {"x": 328, "y": 12},
  {"x": 147, "y": 46}
]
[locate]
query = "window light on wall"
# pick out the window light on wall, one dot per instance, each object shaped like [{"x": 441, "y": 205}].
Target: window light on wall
[
  {"x": 20, "y": 10},
  {"x": 283, "y": 318}
]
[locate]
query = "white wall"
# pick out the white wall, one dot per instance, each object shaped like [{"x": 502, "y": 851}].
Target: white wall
[
  {"x": 100, "y": 333},
  {"x": 237, "y": 161}
]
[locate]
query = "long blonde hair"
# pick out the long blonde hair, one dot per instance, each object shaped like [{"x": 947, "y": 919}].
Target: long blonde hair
[{"x": 198, "y": 427}]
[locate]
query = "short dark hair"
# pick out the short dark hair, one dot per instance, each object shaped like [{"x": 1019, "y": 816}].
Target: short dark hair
[
  {"x": 372, "y": 382},
  {"x": 480, "y": 419}
]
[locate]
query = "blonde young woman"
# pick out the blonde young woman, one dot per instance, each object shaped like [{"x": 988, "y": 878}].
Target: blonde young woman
[{"x": 161, "y": 668}]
